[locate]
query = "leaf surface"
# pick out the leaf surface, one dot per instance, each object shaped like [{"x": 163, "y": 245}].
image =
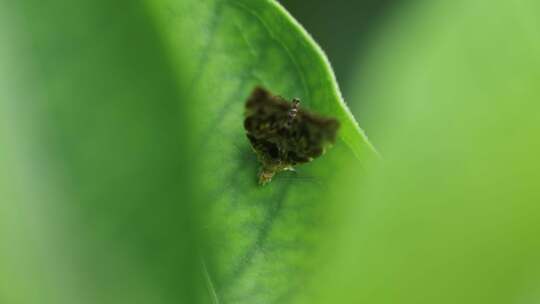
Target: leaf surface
[{"x": 264, "y": 240}]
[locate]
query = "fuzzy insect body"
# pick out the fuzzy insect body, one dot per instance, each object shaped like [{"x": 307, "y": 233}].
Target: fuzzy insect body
[
  {"x": 293, "y": 111},
  {"x": 284, "y": 135}
]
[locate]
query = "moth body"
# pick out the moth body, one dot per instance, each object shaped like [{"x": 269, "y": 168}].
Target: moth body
[{"x": 284, "y": 135}]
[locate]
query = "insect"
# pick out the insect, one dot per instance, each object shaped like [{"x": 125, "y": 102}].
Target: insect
[{"x": 284, "y": 135}]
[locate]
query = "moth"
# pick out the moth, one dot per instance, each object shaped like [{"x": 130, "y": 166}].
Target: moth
[{"x": 283, "y": 134}]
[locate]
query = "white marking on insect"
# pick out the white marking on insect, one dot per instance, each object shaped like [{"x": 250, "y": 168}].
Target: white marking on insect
[{"x": 293, "y": 111}]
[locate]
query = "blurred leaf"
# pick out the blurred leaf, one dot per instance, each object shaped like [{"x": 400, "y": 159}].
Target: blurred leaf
[
  {"x": 94, "y": 187},
  {"x": 264, "y": 240},
  {"x": 452, "y": 216}
]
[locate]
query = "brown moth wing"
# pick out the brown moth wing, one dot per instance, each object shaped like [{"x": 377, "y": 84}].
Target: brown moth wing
[
  {"x": 264, "y": 123},
  {"x": 278, "y": 142},
  {"x": 310, "y": 136},
  {"x": 265, "y": 113}
]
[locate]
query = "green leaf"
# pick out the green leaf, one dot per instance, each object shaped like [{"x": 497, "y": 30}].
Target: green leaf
[
  {"x": 452, "y": 216},
  {"x": 94, "y": 158},
  {"x": 263, "y": 240}
]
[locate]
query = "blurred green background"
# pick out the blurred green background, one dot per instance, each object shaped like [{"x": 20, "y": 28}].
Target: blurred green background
[
  {"x": 103, "y": 178},
  {"x": 344, "y": 29}
]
